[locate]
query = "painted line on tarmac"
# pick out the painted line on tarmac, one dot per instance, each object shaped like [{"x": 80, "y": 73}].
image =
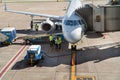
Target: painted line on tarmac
[
  {"x": 11, "y": 62},
  {"x": 73, "y": 69}
]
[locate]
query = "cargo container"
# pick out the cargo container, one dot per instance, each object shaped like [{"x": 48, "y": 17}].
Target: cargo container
[{"x": 10, "y": 33}]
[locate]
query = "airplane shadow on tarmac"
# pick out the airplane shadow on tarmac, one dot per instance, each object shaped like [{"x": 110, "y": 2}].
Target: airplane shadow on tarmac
[
  {"x": 93, "y": 34},
  {"x": 94, "y": 53},
  {"x": 55, "y": 58}
]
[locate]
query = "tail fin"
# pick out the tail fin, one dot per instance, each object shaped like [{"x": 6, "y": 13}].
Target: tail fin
[{"x": 75, "y": 4}]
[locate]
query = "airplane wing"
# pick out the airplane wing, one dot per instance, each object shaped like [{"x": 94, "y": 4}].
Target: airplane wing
[{"x": 32, "y": 14}]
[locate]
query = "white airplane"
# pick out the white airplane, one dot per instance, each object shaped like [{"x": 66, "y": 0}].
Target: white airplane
[{"x": 73, "y": 26}]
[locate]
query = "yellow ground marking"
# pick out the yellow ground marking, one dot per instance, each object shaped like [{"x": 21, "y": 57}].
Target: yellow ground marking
[
  {"x": 73, "y": 71},
  {"x": 86, "y": 77},
  {"x": 73, "y": 77}
]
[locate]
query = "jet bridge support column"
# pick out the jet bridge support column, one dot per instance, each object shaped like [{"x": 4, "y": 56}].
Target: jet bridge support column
[{"x": 31, "y": 23}]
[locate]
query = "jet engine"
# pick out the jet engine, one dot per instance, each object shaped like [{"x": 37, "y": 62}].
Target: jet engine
[{"x": 48, "y": 26}]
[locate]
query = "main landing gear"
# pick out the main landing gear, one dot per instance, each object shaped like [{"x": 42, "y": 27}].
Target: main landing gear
[{"x": 31, "y": 23}]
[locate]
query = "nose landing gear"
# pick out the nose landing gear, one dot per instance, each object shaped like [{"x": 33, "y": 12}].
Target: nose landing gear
[{"x": 73, "y": 47}]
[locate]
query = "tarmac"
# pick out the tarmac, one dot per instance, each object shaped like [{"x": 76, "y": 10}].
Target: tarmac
[{"x": 99, "y": 57}]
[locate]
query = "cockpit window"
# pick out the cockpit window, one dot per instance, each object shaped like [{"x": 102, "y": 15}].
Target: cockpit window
[
  {"x": 72, "y": 22},
  {"x": 69, "y": 22},
  {"x": 82, "y": 21}
]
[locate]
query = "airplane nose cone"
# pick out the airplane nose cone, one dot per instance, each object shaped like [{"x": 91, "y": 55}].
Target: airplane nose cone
[{"x": 74, "y": 36}]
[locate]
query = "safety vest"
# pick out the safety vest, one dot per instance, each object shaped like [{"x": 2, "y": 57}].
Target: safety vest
[
  {"x": 58, "y": 41},
  {"x": 51, "y": 38},
  {"x": 36, "y": 26}
]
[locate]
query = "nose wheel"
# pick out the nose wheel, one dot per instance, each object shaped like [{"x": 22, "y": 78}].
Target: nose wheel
[{"x": 73, "y": 47}]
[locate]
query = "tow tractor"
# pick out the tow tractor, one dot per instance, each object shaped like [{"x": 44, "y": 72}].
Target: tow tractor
[{"x": 34, "y": 54}]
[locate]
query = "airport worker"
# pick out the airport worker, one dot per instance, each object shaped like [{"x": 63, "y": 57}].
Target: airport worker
[
  {"x": 58, "y": 42},
  {"x": 54, "y": 38},
  {"x": 51, "y": 40},
  {"x": 31, "y": 25},
  {"x": 36, "y": 27}
]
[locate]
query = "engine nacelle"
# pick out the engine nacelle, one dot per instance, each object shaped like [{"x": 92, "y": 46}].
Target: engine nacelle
[{"x": 48, "y": 26}]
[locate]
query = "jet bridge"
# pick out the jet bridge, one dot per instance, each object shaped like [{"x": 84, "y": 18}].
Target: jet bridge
[
  {"x": 101, "y": 18},
  {"x": 87, "y": 13},
  {"x": 106, "y": 18}
]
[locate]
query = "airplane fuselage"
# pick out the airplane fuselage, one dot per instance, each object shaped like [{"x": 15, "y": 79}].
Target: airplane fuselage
[{"x": 73, "y": 28}]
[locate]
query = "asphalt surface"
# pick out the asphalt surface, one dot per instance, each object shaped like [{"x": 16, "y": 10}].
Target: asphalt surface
[{"x": 100, "y": 56}]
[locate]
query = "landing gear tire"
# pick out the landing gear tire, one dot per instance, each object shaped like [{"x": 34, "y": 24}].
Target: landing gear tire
[
  {"x": 42, "y": 58},
  {"x": 28, "y": 42},
  {"x": 73, "y": 47}
]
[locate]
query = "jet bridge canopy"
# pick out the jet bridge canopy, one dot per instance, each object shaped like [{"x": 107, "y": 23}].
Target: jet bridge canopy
[{"x": 86, "y": 13}]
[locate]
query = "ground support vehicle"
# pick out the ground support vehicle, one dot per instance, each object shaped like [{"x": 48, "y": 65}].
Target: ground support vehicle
[
  {"x": 10, "y": 32},
  {"x": 34, "y": 54}
]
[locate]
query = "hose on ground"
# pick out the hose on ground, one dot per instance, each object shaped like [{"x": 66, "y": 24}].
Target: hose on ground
[{"x": 55, "y": 56}]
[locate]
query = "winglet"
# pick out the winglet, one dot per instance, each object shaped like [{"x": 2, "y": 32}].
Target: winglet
[{"x": 5, "y": 7}]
